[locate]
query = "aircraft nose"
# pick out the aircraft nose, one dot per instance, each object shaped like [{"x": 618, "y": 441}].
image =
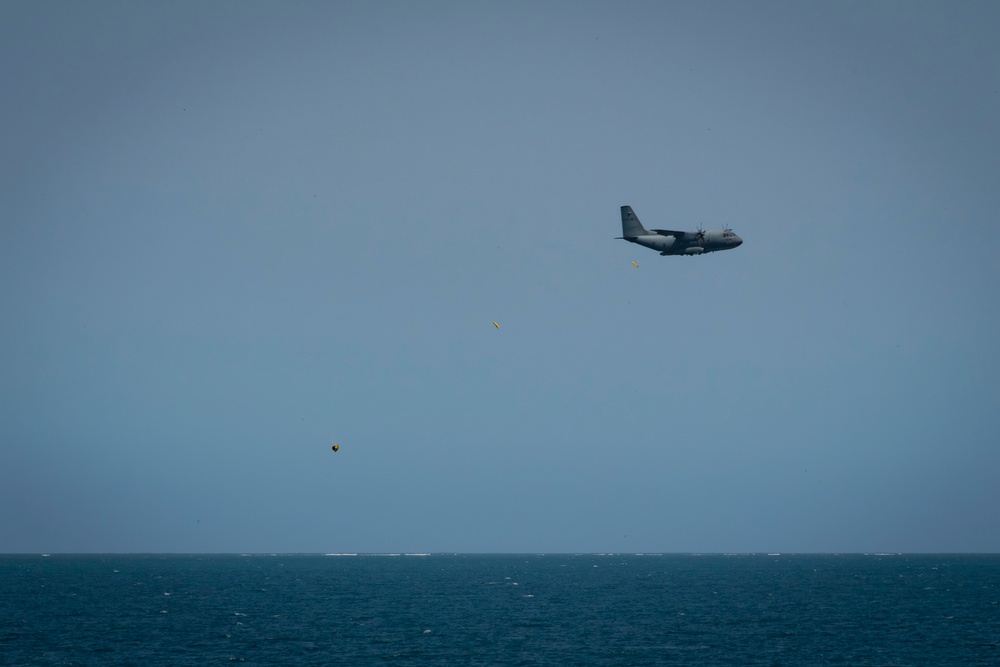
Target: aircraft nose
[{"x": 739, "y": 241}]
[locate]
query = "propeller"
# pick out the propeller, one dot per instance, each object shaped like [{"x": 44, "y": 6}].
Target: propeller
[{"x": 700, "y": 234}]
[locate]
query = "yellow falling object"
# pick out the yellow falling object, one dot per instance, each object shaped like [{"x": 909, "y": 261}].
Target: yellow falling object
[
  {"x": 336, "y": 448},
  {"x": 496, "y": 325},
  {"x": 635, "y": 265}
]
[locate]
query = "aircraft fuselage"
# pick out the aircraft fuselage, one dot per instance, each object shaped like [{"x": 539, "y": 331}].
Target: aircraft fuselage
[{"x": 686, "y": 243}]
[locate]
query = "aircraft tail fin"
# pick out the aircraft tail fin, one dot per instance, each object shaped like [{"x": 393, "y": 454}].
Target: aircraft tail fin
[{"x": 631, "y": 227}]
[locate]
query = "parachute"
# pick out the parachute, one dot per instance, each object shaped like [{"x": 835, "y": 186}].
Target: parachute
[{"x": 336, "y": 448}]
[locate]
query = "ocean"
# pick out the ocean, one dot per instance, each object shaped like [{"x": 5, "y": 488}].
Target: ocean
[{"x": 609, "y": 609}]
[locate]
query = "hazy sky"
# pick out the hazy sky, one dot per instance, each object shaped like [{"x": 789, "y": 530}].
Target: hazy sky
[{"x": 234, "y": 233}]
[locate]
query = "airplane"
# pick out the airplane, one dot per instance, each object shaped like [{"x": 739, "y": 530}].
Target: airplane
[{"x": 676, "y": 243}]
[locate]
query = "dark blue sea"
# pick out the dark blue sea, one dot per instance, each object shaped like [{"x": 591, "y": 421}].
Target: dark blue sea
[{"x": 500, "y": 610}]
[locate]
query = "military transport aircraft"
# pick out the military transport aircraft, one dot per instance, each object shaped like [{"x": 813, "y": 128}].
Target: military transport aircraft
[{"x": 675, "y": 243}]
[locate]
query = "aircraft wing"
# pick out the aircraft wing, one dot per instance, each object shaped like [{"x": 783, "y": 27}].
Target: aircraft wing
[{"x": 667, "y": 232}]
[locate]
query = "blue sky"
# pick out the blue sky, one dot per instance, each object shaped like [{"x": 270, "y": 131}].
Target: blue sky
[{"x": 235, "y": 233}]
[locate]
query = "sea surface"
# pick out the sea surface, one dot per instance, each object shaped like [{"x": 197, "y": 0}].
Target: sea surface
[{"x": 613, "y": 609}]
